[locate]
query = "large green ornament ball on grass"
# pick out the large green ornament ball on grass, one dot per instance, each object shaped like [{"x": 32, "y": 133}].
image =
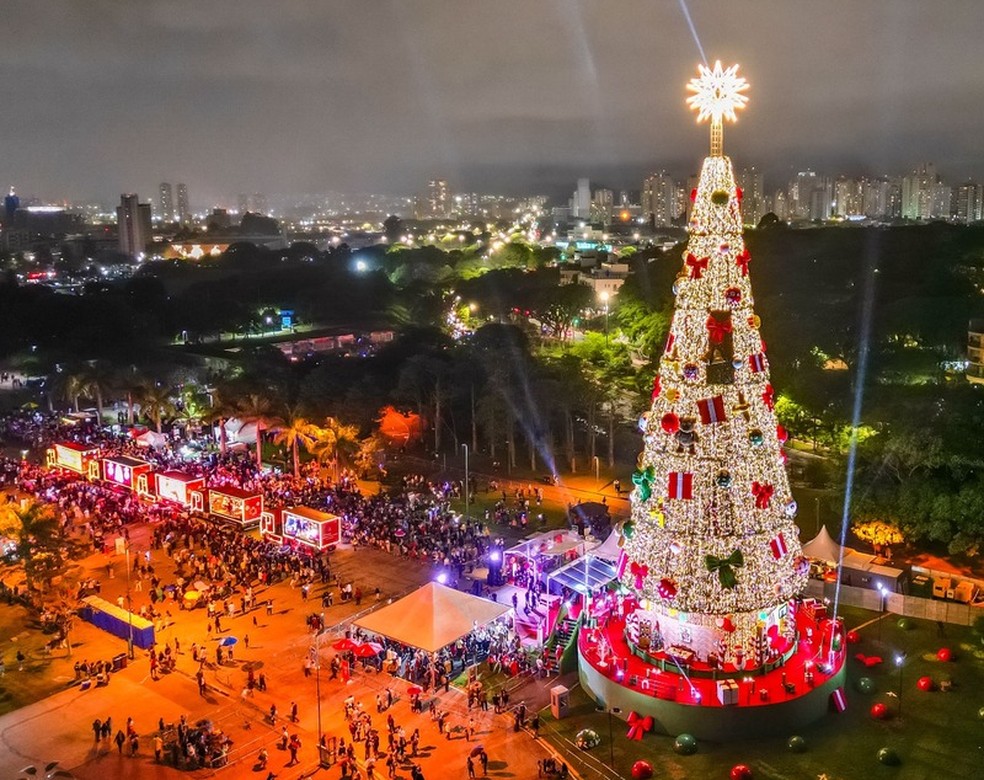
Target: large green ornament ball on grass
[
  {"x": 866, "y": 685},
  {"x": 796, "y": 744},
  {"x": 685, "y": 744},
  {"x": 889, "y": 757}
]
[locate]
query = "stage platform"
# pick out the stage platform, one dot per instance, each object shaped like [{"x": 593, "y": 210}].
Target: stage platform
[{"x": 775, "y": 698}]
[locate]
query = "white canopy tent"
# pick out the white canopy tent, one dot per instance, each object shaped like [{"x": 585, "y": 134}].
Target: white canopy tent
[
  {"x": 151, "y": 439},
  {"x": 432, "y": 617},
  {"x": 823, "y": 547}
]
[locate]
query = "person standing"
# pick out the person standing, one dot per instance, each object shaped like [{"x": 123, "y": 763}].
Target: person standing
[
  {"x": 471, "y": 768},
  {"x": 96, "y": 729},
  {"x": 484, "y": 758},
  {"x": 158, "y": 748},
  {"x": 120, "y": 740}
]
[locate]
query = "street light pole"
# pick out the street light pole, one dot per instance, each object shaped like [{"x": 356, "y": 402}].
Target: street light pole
[
  {"x": 899, "y": 660},
  {"x": 317, "y": 678},
  {"x": 597, "y": 465},
  {"x": 129, "y": 604},
  {"x": 465, "y": 448}
]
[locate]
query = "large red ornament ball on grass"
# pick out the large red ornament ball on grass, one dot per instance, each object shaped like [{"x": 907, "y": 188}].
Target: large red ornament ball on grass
[
  {"x": 925, "y": 684},
  {"x": 853, "y": 637},
  {"x": 879, "y": 711},
  {"x": 741, "y": 772},
  {"x": 642, "y": 770},
  {"x": 944, "y": 654}
]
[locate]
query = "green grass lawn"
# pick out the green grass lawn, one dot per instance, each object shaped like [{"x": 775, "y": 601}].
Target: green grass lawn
[{"x": 939, "y": 735}]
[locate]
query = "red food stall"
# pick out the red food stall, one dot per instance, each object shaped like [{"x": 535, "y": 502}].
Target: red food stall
[
  {"x": 302, "y": 525},
  {"x": 80, "y": 458},
  {"x": 236, "y": 505},
  {"x": 130, "y": 473},
  {"x": 177, "y": 486}
]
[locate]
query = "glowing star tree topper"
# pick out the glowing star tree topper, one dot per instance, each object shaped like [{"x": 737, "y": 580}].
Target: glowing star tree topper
[{"x": 717, "y": 95}]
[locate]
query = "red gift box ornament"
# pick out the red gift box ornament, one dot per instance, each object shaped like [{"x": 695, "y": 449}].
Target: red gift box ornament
[
  {"x": 763, "y": 494},
  {"x": 697, "y": 265},
  {"x": 717, "y": 329},
  {"x": 681, "y": 485},
  {"x": 839, "y": 700},
  {"x": 769, "y": 397},
  {"x": 741, "y": 260},
  {"x": 638, "y": 725},
  {"x": 657, "y": 386},
  {"x": 640, "y": 571},
  {"x": 778, "y": 545},
  {"x": 739, "y": 193},
  {"x": 621, "y": 564},
  {"x": 756, "y": 362},
  {"x": 711, "y": 410}
]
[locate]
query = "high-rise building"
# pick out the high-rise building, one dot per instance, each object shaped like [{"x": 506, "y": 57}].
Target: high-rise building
[
  {"x": 133, "y": 225},
  {"x": 255, "y": 203},
  {"x": 581, "y": 200},
  {"x": 875, "y": 198},
  {"x": 183, "y": 213},
  {"x": 602, "y": 206},
  {"x": 438, "y": 198},
  {"x": 660, "y": 199},
  {"x": 166, "y": 203},
  {"x": 752, "y": 183},
  {"x": 848, "y": 197},
  {"x": 780, "y": 205},
  {"x": 923, "y": 194},
  {"x": 968, "y": 206}
]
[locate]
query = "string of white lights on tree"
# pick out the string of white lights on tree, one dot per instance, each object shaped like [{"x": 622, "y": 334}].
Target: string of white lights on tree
[{"x": 712, "y": 542}]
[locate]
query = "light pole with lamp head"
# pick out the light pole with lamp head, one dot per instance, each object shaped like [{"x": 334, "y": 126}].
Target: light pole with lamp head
[
  {"x": 611, "y": 731},
  {"x": 129, "y": 604},
  {"x": 882, "y": 597},
  {"x": 899, "y": 662}
]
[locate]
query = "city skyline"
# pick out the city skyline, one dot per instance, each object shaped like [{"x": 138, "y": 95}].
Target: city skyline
[{"x": 377, "y": 100}]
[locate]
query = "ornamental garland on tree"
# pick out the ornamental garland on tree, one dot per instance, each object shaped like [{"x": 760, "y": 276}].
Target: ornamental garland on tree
[{"x": 713, "y": 540}]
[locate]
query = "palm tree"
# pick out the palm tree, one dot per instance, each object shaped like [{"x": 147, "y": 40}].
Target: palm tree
[
  {"x": 155, "y": 402},
  {"x": 331, "y": 438},
  {"x": 297, "y": 431},
  {"x": 40, "y": 540},
  {"x": 96, "y": 379},
  {"x": 258, "y": 410},
  {"x": 219, "y": 413},
  {"x": 73, "y": 385}
]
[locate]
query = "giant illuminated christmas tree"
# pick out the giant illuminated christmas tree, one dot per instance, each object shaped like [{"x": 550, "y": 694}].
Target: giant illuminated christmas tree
[{"x": 712, "y": 550}]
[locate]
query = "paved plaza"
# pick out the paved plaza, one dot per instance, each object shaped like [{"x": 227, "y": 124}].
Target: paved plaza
[{"x": 59, "y": 727}]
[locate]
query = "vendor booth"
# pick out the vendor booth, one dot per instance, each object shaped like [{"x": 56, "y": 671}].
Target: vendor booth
[
  {"x": 118, "y": 622},
  {"x": 432, "y": 617},
  {"x": 301, "y": 525},
  {"x": 130, "y": 473},
  {"x": 80, "y": 458},
  {"x": 177, "y": 486},
  {"x": 233, "y": 504}
]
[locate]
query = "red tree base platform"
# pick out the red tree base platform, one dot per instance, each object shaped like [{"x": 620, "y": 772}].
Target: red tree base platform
[{"x": 768, "y": 702}]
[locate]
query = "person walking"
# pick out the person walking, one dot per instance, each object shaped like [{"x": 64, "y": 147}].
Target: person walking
[
  {"x": 120, "y": 740},
  {"x": 471, "y": 768},
  {"x": 484, "y": 758},
  {"x": 96, "y": 729},
  {"x": 535, "y": 726}
]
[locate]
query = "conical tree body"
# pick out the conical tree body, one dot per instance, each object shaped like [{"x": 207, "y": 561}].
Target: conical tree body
[{"x": 712, "y": 549}]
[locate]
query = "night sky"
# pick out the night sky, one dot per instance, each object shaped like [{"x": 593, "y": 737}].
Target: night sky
[{"x": 495, "y": 95}]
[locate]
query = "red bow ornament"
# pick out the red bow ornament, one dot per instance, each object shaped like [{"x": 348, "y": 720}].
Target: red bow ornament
[
  {"x": 640, "y": 571},
  {"x": 656, "y": 386},
  {"x": 742, "y": 259},
  {"x": 638, "y": 725},
  {"x": 763, "y": 494},
  {"x": 697, "y": 265},
  {"x": 717, "y": 329}
]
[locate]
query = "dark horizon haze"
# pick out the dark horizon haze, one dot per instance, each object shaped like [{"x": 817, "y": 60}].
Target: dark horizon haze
[{"x": 513, "y": 96}]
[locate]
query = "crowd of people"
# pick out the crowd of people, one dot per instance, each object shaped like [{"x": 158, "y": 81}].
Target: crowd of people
[{"x": 225, "y": 569}]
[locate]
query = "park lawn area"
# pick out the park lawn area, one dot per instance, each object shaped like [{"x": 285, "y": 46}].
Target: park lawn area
[
  {"x": 43, "y": 674},
  {"x": 938, "y": 736}
]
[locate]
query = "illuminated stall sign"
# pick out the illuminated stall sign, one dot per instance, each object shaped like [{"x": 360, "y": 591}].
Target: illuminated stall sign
[
  {"x": 234, "y": 504},
  {"x": 123, "y": 471},
  {"x": 311, "y": 527},
  {"x": 71, "y": 456},
  {"x": 177, "y": 486}
]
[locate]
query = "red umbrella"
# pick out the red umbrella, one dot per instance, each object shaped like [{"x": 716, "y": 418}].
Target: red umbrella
[
  {"x": 414, "y": 690},
  {"x": 345, "y": 644},
  {"x": 365, "y": 651}
]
